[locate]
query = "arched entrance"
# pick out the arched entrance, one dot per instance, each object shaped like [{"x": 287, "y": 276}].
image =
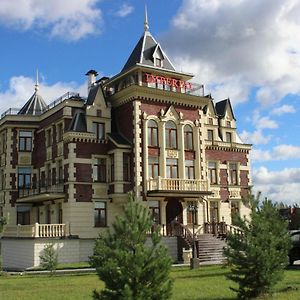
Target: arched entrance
[{"x": 173, "y": 214}]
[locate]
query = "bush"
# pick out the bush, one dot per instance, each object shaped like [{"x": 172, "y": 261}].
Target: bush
[
  {"x": 49, "y": 259},
  {"x": 129, "y": 269},
  {"x": 259, "y": 254}
]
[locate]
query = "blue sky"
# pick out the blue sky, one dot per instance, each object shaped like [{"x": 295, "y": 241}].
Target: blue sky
[{"x": 246, "y": 50}]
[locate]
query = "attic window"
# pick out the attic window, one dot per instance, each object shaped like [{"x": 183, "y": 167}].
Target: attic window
[{"x": 158, "y": 62}]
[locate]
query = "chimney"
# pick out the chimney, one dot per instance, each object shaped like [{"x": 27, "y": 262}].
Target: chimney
[{"x": 92, "y": 74}]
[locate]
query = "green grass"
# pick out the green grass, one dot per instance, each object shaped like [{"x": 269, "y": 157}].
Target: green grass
[{"x": 205, "y": 283}]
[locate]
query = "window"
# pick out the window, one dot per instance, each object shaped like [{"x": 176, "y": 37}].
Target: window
[
  {"x": 60, "y": 171},
  {"x": 235, "y": 210},
  {"x": 100, "y": 216},
  {"x": 48, "y": 179},
  {"x": 171, "y": 135},
  {"x": 172, "y": 168},
  {"x": 23, "y": 215},
  {"x": 99, "y": 130},
  {"x": 126, "y": 167},
  {"x": 210, "y": 135},
  {"x": 60, "y": 214},
  {"x": 214, "y": 211},
  {"x": 233, "y": 174},
  {"x": 153, "y": 167},
  {"x": 154, "y": 211},
  {"x": 188, "y": 137},
  {"x": 24, "y": 178},
  {"x": 189, "y": 169},
  {"x": 3, "y": 143},
  {"x": 25, "y": 140},
  {"x": 228, "y": 137},
  {"x": 212, "y": 172},
  {"x": 2, "y": 178},
  {"x": 158, "y": 62},
  {"x": 59, "y": 132},
  {"x": 152, "y": 133},
  {"x": 48, "y": 214},
  {"x": 48, "y": 138},
  {"x": 112, "y": 167},
  {"x": 192, "y": 214},
  {"x": 100, "y": 170}
]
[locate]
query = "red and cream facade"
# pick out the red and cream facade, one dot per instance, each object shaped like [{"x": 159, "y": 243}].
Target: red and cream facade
[{"x": 66, "y": 171}]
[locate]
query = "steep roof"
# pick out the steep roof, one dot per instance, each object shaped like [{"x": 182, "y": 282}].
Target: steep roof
[
  {"x": 144, "y": 51},
  {"x": 78, "y": 122},
  {"x": 221, "y": 108},
  {"x": 34, "y": 106}
]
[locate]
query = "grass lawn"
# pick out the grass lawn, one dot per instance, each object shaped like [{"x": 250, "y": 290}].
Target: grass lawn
[{"x": 205, "y": 283}]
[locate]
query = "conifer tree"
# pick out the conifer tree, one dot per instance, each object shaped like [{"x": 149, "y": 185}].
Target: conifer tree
[
  {"x": 258, "y": 254},
  {"x": 129, "y": 268}
]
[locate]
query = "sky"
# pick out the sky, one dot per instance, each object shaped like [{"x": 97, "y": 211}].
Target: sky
[{"x": 245, "y": 50}]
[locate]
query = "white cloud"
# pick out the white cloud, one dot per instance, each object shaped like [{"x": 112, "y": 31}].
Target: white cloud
[
  {"x": 256, "y": 137},
  {"x": 266, "y": 122},
  {"x": 69, "y": 20},
  {"x": 21, "y": 89},
  {"x": 284, "y": 109},
  {"x": 240, "y": 43},
  {"x": 125, "y": 10},
  {"x": 278, "y": 185},
  {"x": 280, "y": 152}
]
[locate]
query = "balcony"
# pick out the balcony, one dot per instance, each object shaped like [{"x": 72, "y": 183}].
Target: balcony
[
  {"x": 37, "y": 231},
  {"x": 177, "y": 186},
  {"x": 41, "y": 191}
]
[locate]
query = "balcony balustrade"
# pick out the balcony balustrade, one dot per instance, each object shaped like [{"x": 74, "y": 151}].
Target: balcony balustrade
[
  {"x": 176, "y": 184},
  {"x": 37, "y": 230}
]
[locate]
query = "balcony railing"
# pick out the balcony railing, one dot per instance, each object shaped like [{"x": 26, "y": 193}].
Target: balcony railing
[
  {"x": 42, "y": 187},
  {"x": 176, "y": 184},
  {"x": 66, "y": 96},
  {"x": 37, "y": 230}
]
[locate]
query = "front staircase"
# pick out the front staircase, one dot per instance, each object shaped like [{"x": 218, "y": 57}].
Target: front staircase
[{"x": 210, "y": 249}]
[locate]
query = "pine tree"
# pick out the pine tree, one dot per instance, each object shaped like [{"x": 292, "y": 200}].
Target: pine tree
[
  {"x": 49, "y": 259},
  {"x": 129, "y": 268},
  {"x": 258, "y": 254}
]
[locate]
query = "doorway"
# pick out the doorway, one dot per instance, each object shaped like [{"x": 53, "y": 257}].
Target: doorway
[{"x": 173, "y": 215}]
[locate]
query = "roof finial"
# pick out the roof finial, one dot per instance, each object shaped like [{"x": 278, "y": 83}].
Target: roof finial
[
  {"x": 37, "y": 81},
  {"x": 146, "y": 25}
]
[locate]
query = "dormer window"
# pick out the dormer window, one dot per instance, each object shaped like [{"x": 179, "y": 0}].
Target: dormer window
[{"x": 158, "y": 62}]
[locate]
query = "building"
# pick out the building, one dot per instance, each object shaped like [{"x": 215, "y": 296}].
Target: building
[{"x": 66, "y": 167}]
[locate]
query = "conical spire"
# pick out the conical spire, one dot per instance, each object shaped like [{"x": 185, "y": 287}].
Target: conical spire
[
  {"x": 36, "y": 88},
  {"x": 146, "y": 25},
  {"x": 35, "y": 105}
]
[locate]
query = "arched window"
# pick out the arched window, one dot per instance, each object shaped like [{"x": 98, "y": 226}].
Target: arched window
[
  {"x": 188, "y": 137},
  {"x": 171, "y": 135},
  {"x": 152, "y": 133}
]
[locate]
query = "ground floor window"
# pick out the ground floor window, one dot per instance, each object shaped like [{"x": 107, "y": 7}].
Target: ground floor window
[
  {"x": 214, "y": 211},
  {"x": 23, "y": 215},
  {"x": 155, "y": 211},
  {"x": 100, "y": 214},
  {"x": 192, "y": 212},
  {"x": 235, "y": 211}
]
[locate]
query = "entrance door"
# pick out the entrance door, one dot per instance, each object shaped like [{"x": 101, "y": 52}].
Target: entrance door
[{"x": 173, "y": 215}]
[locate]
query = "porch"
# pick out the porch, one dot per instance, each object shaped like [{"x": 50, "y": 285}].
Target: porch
[{"x": 37, "y": 231}]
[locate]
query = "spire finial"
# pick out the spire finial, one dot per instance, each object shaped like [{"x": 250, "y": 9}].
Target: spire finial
[
  {"x": 37, "y": 81},
  {"x": 146, "y": 25}
]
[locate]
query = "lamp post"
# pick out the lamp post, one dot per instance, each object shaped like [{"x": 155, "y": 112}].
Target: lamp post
[{"x": 194, "y": 263}]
